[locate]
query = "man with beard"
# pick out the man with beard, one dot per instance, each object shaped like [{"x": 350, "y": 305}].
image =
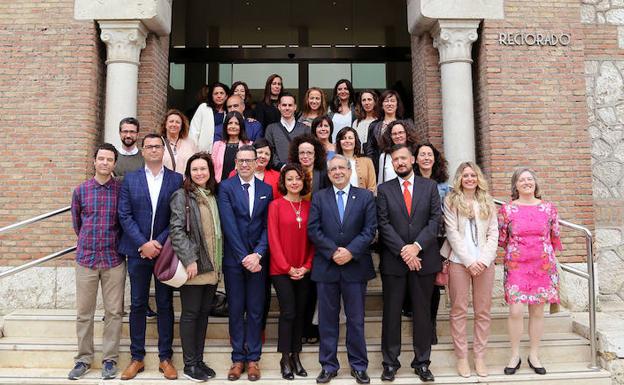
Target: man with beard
[
  {"x": 408, "y": 213},
  {"x": 130, "y": 158}
]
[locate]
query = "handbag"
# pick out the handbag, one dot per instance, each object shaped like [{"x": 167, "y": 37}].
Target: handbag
[
  {"x": 442, "y": 277},
  {"x": 168, "y": 268},
  {"x": 219, "y": 305}
]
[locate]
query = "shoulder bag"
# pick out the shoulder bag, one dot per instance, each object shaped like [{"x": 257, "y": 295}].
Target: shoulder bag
[{"x": 168, "y": 268}]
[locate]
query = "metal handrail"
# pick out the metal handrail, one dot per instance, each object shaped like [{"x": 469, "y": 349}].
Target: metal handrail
[
  {"x": 590, "y": 277},
  {"x": 41, "y": 260}
]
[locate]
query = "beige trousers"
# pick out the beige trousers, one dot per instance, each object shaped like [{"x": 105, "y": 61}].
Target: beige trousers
[
  {"x": 459, "y": 289},
  {"x": 113, "y": 282}
]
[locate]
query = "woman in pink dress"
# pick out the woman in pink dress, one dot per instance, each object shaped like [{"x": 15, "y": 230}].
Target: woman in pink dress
[{"x": 529, "y": 233}]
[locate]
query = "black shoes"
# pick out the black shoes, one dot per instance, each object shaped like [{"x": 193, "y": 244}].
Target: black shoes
[
  {"x": 295, "y": 364},
  {"x": 208, "y": 370},
  {"x": 324, "y": 376},
  {"x": 537, "y": 370},
  {"x": 388, "y": 373},
  {"x": 286, "y": 370},
  {"x": 149, "y": 313},
  {"x": 510, "y": 371},
  {"x": 195, "y": 373},
  {"x": 424, "y": 373},
  {"x": 360, "y": 376}
]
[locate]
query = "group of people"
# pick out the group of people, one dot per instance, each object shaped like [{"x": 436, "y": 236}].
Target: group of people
[{"x": 299, "y": 202}]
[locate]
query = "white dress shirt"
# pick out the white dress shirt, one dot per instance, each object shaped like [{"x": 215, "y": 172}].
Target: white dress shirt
[
  {"x": 289, "y": 126},
  {"x": 345, "y": 196},
  {"x": 154, "y": 184},
  {"x": 251, "y": 191}
]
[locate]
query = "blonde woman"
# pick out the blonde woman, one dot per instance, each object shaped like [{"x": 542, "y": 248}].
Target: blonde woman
[{"x": 471, "y": 225}]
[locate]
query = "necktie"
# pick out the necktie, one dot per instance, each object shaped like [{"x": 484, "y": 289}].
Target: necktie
[
  {"x": 246, "y": 188},
  {"x": 407, "y": 196},
  {"x": 341, "y": 208}
]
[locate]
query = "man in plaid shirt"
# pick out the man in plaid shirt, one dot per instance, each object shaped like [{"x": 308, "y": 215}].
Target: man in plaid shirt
[{"x": 94, "y": 216}]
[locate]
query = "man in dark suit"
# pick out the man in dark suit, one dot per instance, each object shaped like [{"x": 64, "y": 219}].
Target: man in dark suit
[
  {"x": 341, "y": 225},
  {"x": 243, "y": 208},
  {"x": 144, "y": 217},
  {"x": 408, "y": 210}
]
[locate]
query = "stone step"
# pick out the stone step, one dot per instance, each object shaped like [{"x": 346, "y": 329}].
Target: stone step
[
  {"x": 572, "y": 374},
  {"x": 61, "y": 323},
  {"x": 56, "y": 352}
]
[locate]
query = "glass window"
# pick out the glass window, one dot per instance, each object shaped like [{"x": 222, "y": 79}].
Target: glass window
[
  {"x": 325, "y": 75},
  {"x": 176, "y": 76},
  {"x": 369, "y": 75}
]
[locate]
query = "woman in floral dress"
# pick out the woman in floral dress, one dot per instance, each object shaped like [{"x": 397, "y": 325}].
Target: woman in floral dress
[{"x": 529, "y": 233}]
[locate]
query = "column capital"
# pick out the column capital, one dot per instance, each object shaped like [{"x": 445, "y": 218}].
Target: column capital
[
  {"x": 124, "y": 40},
  {"x": 454, "y": 38}
]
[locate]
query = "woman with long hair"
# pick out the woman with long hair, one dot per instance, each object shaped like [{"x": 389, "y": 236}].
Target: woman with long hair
[
  {"x": 178, "y": 146},
  {"x": 266, "y": 111},
  {"x": 530, "y": 235},
  {"x": 362, "y": 169},
  {"x": 291, "y": 262},
  {"x": 342, "y": 109},
  {"x": 314, "y": 105},
  {"x": 397, "y": 132},
  {"x": 322, "y": 129},
  {"x": 209, "y": 114},
  {"x": 390, "y": 108},
  {"x": 200, "y": 250},
  {"x": 224, "y": 150},
  {"x": 366, "y": 112},
  {"x": 471, "y": 241}
]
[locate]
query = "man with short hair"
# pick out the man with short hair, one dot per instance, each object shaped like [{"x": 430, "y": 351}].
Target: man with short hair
[
  {"x": 408, "y": 210},
  {"x": 243, "y": 208},
  {"x": 280, "y": 134},
  {"x": 253, "y": 128},
  {"x": 144, "y": 216},
  {"x": 94, "y": 217},
  {"x": 130, "y": 158},
  {"x": 342, "y": 225}
]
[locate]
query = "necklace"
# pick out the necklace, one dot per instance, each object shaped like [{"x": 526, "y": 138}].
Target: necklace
[
  {"x": 473, "y": 232},
  {"x": 297, "y": 213},
  {"x": 174, "y": 145}
]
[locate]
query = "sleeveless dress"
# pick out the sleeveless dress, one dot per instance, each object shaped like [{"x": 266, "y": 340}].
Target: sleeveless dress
[{"x": 530, "y": 235}]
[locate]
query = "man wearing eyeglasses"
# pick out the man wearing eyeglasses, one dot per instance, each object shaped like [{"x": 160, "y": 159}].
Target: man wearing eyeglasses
[
  {"x": 130, "y": 158},
  {"x": 243, "y": 208},
  {"x": 144, "y": 217},
  {"x": 253, "y": 128}
]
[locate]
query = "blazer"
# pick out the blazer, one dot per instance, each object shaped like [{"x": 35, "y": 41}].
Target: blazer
[
  {"x": 202, "y": 128},
  {"x": 487, "y": 235},
  {"x": 218, "y": 154},
  {"x": 366, "y": 173},
  {"x": 396, "y": 228},
  {"x": 355, "y": 233},
  {"x": 135, "y": 210},
  {"x": 243, "y": 235}
]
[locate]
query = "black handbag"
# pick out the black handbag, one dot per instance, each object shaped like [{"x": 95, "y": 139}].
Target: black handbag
[{"x": 219, "y": 305}]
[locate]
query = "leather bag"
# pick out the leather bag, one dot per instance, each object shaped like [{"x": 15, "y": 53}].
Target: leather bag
[
  {"x": 442, "y": 277},
  {"x": 168, "y": 268}
]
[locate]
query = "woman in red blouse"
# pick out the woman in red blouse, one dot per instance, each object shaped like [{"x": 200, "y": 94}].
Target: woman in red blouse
[{"x": 291, "y": 261}]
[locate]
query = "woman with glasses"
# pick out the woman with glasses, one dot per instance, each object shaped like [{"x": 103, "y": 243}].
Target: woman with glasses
[
  {"x": 391, "y": 109},
  {"x": 397, "y": 132}
]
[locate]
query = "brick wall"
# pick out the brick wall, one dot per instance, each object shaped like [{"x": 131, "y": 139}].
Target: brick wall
[{"x": 51, "y": 88}]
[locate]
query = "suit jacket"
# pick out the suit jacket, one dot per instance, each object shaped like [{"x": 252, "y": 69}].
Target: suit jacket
[
  {"x": 243, "y": 235},
  {"x": 396, "y": 228},
  {"x": 135, "y": 210},
  {"x": 355, "y": 234}
]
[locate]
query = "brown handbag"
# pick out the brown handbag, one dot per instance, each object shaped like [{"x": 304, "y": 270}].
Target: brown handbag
[{"x": 442, "y": 277}]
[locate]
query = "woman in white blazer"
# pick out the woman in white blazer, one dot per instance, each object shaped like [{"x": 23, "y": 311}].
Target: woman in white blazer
[{"x": 471, "y": 224}]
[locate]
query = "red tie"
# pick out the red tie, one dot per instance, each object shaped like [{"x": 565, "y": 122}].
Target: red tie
[{"x": 407, "y": 196}]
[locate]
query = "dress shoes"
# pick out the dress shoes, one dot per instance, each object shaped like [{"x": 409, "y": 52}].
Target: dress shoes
[
  {"x": 286, "y": 370},
  {"x": 235, "y": 371},
  {"x": 132, "y": 370},
  {"x": 510, "y": 371},
  {"x": 253, "y": 371},
  {"x": 388, "y": 373},
  {"x": 424, "y": 373},
  {"x": 168, "y": 370},
  {"x": 540, "y": 370},
  {"x": 295, "y": 364},
  {"x": 360, "y": 376},
  {"x": 324, "y": 376}
]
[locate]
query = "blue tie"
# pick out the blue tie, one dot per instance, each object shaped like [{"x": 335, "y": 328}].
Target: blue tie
[
  {"x": 341, "y": 207},
  {"x": 246, "y": 188}
]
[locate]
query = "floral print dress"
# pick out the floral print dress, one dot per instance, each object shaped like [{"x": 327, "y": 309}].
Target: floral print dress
[{"x": 530, "y": 235}]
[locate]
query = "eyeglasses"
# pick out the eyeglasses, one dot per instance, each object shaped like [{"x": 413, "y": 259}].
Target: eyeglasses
[
  {"x": 245, "y": 161},
  {"x": 129, "y": 132},
  {"x": 154, "y": 147},
  {"x": 308, "y": 153}
]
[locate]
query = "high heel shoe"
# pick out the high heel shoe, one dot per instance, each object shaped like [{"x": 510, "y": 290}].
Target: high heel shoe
[
  {"x": 286, "y": 370},
  {"x": 510, "y": 371},
  {"x": 295, "y": 363},
  {"x": 537, "y": 370}
]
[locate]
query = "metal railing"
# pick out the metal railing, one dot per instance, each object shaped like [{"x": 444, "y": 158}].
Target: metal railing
[
  {"x": 41, "y": 260},
  {"x": 589, "y": 275}
]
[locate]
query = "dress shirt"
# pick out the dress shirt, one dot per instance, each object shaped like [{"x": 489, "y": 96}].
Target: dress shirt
[
  {"x": 345, "y": 197},
  {"x": 411, "y": 185},
  {"x": 134, "y": 151},
  {"x": 354, "y": 175},
  {"x": 94, "y": 217},
  {"x": 251, "y": 191},
  {"x": 289, "y": 126},
  {"x": 154, "y": 184}
]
